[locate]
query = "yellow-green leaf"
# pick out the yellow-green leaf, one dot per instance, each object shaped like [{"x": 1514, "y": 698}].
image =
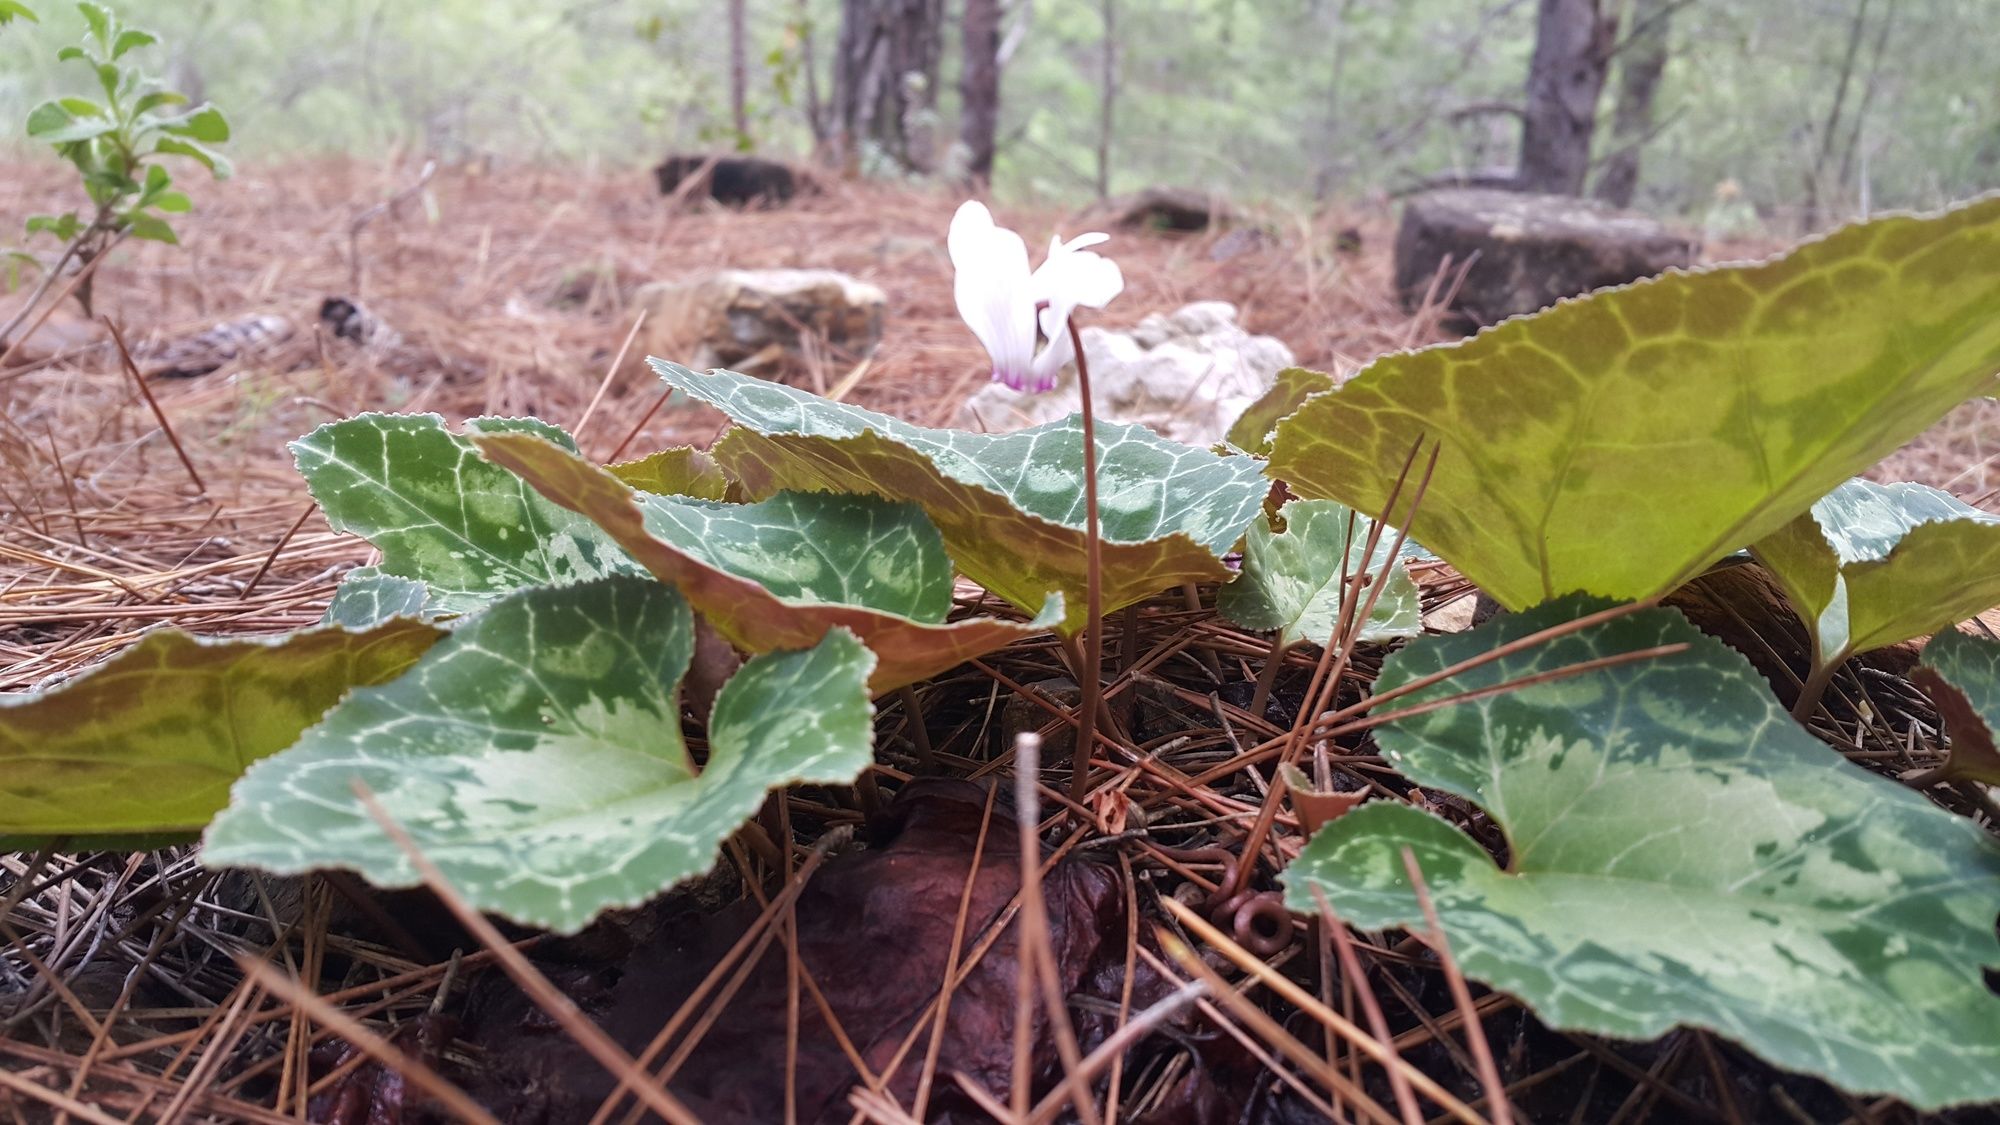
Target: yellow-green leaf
[
  {"x": 1620, "y": 443},
  {"x": 1872, "y": 565},
  {"x": 1251, "y": 432},
  {"x": 146, "y": 745},
  {"x": 680, "y": 471}
]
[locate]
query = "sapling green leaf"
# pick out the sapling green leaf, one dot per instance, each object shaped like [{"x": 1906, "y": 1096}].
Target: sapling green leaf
[
  {"x": 215, "y": 162},
  {"x": 131, "y": 39},
  {"x": 535, "y": 755},
  {"x": 100, "y": 21},
  {"x": 158, "y": 99},
  {"x": 1679, "y": 852},
  {"x": 1620, "y": 443},
  {"x": 206, "y": 125},
  {"x": 57, "y": 124},
  {"x": 152, "y": 228}
]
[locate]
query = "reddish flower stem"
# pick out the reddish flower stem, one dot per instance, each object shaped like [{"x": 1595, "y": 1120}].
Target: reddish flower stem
[{"x": 1089, "y": 680}]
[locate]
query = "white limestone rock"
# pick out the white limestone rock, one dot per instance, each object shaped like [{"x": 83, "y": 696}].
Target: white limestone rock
[{"x": 1187, "y": 375}]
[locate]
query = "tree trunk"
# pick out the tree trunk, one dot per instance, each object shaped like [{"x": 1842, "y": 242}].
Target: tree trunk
[
  {"x": 802, "y": 25},
  {"x": 1326, "y": 173},
  {"x": 885, "y": 81},
  {"x": 1107, "y": 97},
  {"x": 739, "y": 75},
  {"x": 1565, "y": 76},
  {"x": 979, "y": 87},
  {"x": 1809, "y": 220},
  {"x": 1641, "y": 61},
  {"x": 1861, "y": 114}
]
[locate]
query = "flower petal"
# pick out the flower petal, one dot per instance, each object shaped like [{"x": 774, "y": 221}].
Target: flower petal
[
  {"x": 1049, "y": 362},
  {"x": 1071, "y": 278},
  {"x": 993, "y": 290}
]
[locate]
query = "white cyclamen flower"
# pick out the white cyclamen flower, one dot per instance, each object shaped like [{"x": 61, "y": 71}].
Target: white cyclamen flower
[{"x": 1005, "y": 305}]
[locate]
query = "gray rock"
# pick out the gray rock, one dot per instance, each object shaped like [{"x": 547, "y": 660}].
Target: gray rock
[
  {"x": 759, "y": 319},
  {"x": 1532, "y": 250}
]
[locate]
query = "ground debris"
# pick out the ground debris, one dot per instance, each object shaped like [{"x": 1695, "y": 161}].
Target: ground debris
[
  {"x": 874, "y": 935},
  {"x": 373, "y": 1094}
]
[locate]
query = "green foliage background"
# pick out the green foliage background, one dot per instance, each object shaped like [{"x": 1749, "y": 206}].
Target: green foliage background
[{"x": 1265, "y": 98}]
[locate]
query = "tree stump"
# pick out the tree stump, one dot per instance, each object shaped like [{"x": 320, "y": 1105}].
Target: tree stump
[
  {"x": 734, "y": 180},
  {"x": 1526, "y": 251}
]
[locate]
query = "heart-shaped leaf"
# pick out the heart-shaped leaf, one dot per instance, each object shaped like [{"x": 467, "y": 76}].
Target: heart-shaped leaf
[
  {"x": 1875, "y": 564},
  {"x": 468, "y": 530},
  {"x": 1251, "y": 432},
  {"x": 1620, "y": 443},
  {"x": 1681, "y": 852},
  {"x": 681, "y": 471},
  {"x": 780, "y": 573},
  {"x": 145, "y": 746},
  {"x": 535, "y": 755},
  {"x": 1010, "y": 506},
  {"x": 1293, "y": 579},
  {"x": 1961, "y": 674}
]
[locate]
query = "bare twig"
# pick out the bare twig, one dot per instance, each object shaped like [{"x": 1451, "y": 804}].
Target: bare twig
[
  {"x": 132, "y": 369},
  {"x": 610, "y": 373}
]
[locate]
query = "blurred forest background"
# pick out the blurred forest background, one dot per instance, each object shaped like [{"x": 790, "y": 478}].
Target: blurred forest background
[{"x": 1769, "y": 115}]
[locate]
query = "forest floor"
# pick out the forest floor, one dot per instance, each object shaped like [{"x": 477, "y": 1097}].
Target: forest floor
[{"x": 120, "y": 995}]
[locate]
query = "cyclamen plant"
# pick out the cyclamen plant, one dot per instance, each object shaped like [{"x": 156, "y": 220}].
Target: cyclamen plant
[{"x": 1006, "y": 306}]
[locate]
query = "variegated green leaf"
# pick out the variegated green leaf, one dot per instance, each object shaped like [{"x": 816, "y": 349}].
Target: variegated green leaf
[
  {"x": 1620, "y": 443},
  {"x": 1251, "y": 432},
  {"x": 1961, "y": 674},
  {"x": 146, "y": 745},
  {"x": 1875, "y": 564},
  {"x": 468, "y": 530},
  {"x": 1294, "y": 580},
  {"x": 535, "y": 755},
  {"x": 817, "y": 547},
  {"x": 366, "y": 597},
  {"x": 1680, "y": 852},
  {"x": 778, "y": 574},
  {"x": 1010, "y": 506}
]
